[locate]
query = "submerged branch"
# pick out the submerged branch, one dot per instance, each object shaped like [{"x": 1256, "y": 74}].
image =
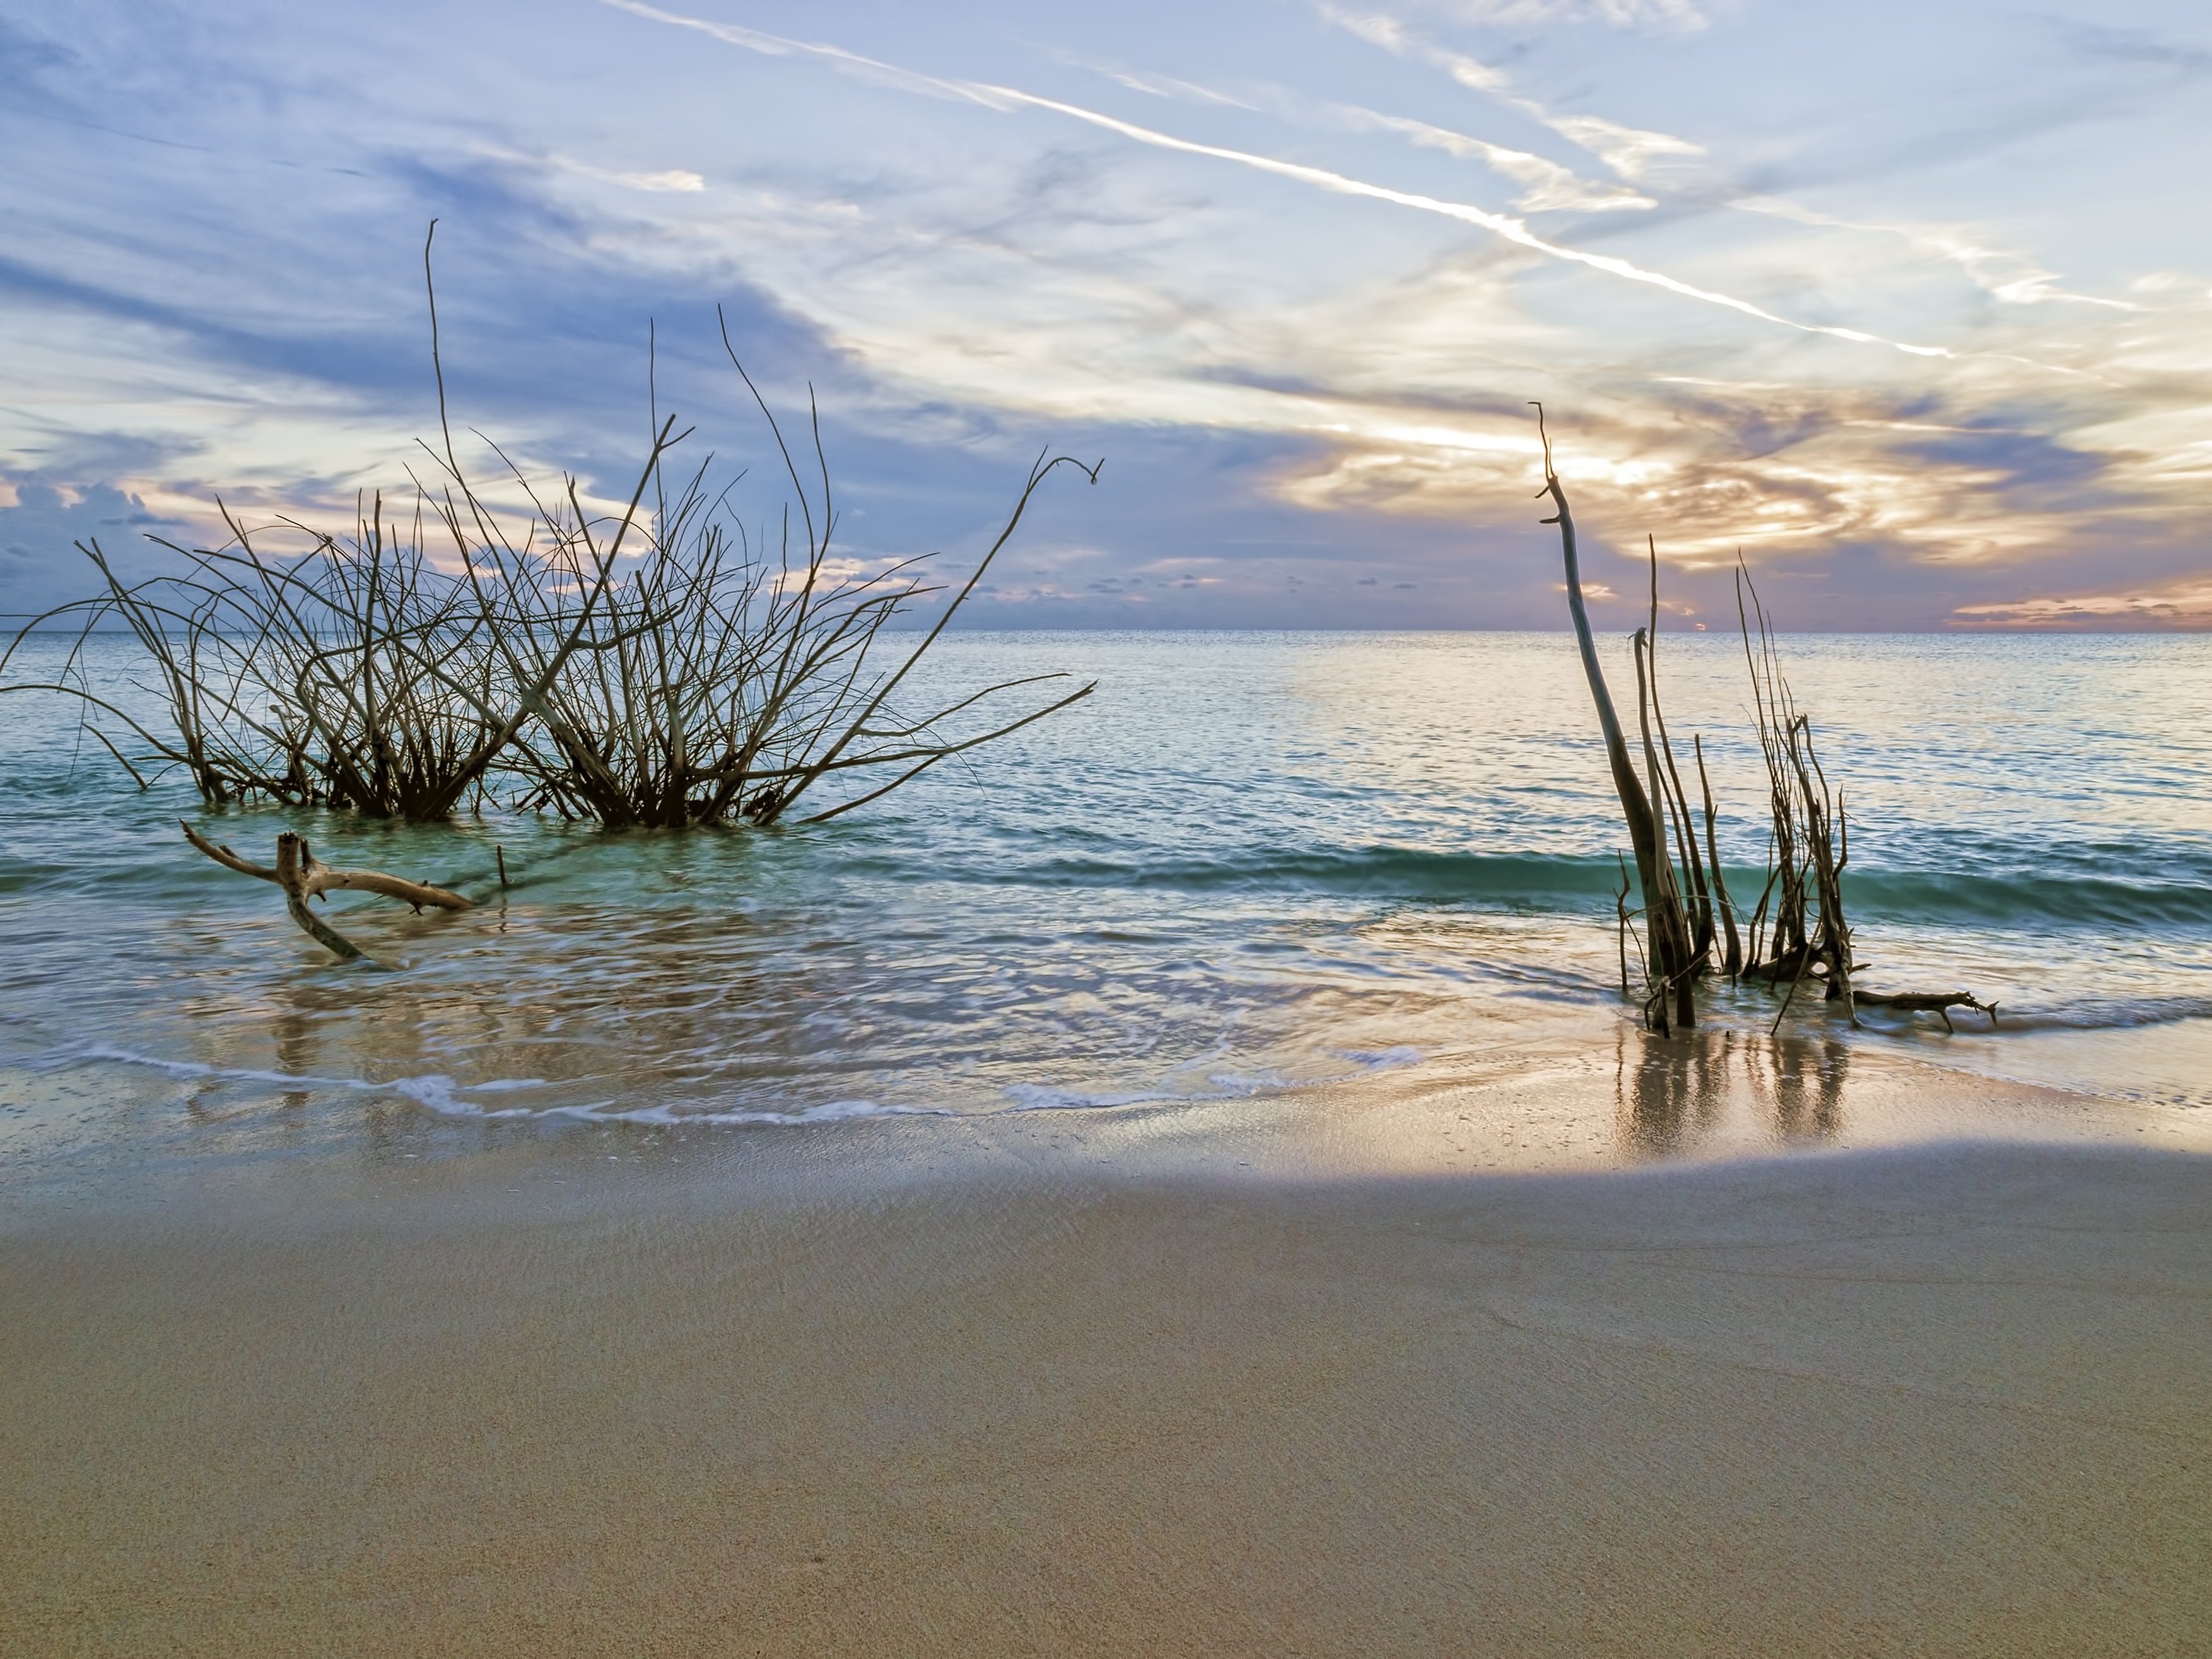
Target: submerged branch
[
  {"x": 303, "y": 876},
  {"x": 1939, "y": 1003}
]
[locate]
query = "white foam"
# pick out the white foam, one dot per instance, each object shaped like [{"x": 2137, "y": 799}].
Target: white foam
[
  {"x": 1234, "y": 1086},
  {"x": 1225, "y": 1085},
  {"x": 438, "y": 1093},
  {"x": 1038, "y": 1097},
  {"x": 187, "y": 1068},
  {"x": 835, "y": 1111}
]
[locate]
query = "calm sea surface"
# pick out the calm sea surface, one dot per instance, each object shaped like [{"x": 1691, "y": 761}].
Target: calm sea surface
[{"x": 1251, "y": 862}]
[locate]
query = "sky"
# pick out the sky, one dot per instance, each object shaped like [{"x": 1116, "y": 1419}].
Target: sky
[{"x": 1908, "y": 305}]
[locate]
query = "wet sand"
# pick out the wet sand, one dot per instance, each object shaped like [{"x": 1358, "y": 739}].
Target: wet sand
[{"x": 1418, "y": 1368}]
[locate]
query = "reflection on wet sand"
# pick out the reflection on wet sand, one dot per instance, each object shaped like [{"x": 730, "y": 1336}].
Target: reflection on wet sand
[
  {"x": 1808, "y": 1087},
  {"x": 1672, "y": 1093}
]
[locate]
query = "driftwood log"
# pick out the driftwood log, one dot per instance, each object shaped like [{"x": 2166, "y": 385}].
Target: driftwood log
[
  {"x": 302, "y": 876},
  {"x": 1939, "y": 1003},
  {"x": 1799, "y": 965}
]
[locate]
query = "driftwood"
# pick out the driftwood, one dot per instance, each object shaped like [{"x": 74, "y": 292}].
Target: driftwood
[
  {"x": 302, "y": 876},
  {"x": 1798, "y": 933},
  {"x": 1939, "y": 1003},
  {"x": 1672, "y": 964}
]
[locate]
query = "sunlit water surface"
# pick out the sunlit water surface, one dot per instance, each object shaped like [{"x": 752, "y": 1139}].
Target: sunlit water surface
[{"x": 1250, "y": 863}]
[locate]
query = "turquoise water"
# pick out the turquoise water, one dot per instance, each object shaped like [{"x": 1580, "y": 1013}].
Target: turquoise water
[{"x": 1251, "y": 862}]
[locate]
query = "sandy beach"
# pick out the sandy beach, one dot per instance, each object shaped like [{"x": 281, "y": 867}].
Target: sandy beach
[
  {"x": 1134, "y": 1384},
  {"x": 1304, "y": 831}
]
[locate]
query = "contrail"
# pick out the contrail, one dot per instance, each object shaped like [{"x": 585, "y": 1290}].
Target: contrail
[
  {"x": 777, "y": 45},
  {"x": 1513, "y": 230},
  {"x": 1006, "y": 98}
]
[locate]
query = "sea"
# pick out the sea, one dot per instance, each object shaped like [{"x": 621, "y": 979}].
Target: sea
[{"x": 1248, "y": 864}]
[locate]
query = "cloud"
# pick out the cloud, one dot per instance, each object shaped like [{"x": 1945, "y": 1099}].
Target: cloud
[
  {"x": 41, "y": 525},
  {"x": 2002, "y": 273},
  {"x": 869, "y": 69},
  {"x": 680, "y": 179},
  {"x": 2132, "y": 45},
  {"x": 1631, "y": 152},
  {"x": 2186, "y": 604},
  {"x": 1549, "y": 186},
  {"x": 1512, "y": 230},
  {"x": 1165, "y": 86},
  {"x": 26, "y": 61},
  {"x": 1665, "y": 15}
]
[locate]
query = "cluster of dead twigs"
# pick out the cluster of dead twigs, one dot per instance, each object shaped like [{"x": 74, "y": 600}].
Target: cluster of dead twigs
[
  {"x": 655, "y": 665},
  {"x": 1691, "y": 929}
]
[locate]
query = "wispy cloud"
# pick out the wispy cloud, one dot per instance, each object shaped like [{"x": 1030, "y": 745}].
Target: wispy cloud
[
  {"x": 2186, "y": 604},
  {"x": 1164, "y": 86},
  {"x": 870, "y": 70},
  {"x": 1549, "y": 187},
  {"x": 2002, "y": 273},
  {"x": 1512, "y": 230},
  {"x": 1631, "y": 152},
  {"x": 2133, "y": 46},
  {"x": 681, "y": 180},
  {"x": 1662, "y": 14}
]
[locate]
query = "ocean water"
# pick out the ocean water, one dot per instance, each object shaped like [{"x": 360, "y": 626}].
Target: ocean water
[{"x": 1251, "y": 863}]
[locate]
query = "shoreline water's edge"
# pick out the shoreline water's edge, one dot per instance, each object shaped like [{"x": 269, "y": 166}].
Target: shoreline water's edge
[{"x": 1626, "y": 1100}]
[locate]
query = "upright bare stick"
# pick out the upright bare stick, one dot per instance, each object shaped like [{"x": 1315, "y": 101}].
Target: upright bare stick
[{"x": 1670, "y": 950}]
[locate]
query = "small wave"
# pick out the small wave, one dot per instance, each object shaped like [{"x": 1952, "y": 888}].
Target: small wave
[
  {"x": 1544, "y": 881},
  {"x": 2028, "y": 900},
  {"x": 1384, "y": 871},
  {"x": 2107, "y": 1015}
]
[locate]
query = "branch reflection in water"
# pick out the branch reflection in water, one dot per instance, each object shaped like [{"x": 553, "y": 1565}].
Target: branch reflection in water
[{"x": 1673, "y": 1094}]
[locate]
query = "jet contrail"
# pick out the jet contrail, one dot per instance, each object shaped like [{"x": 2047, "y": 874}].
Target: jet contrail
[
  {"x": 1511, "y": 229},
  {"x": 1006, "y": 98}
]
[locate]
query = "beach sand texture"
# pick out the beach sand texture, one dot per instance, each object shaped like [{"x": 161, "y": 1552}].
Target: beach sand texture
[{"x": 1944, "y": 1398}]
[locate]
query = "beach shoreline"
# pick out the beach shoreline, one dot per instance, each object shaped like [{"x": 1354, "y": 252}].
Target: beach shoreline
[{"x": 1440, "y": 1363}]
